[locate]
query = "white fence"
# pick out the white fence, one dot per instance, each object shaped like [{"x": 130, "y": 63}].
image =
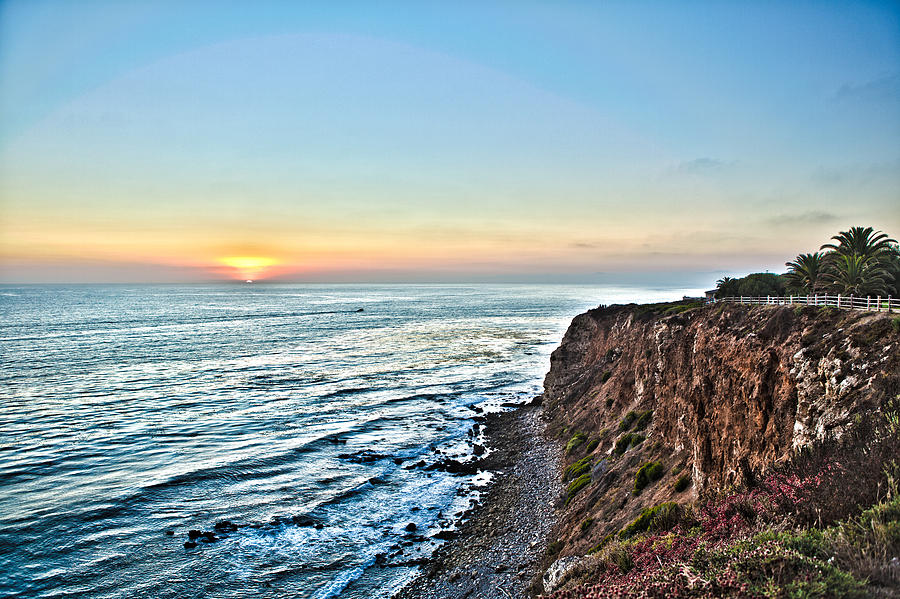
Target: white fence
[{"x": 850, "y": 302}]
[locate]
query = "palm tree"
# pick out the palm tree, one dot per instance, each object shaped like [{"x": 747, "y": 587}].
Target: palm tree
[
  {"x": 860, "y": 241},
  {"x": 806, "y": 272},
  {"x": 723, "y": 281},
  {"x": 852, "y": 274}
]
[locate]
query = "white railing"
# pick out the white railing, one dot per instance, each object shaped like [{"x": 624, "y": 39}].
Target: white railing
[{"x": 850, "y": 302}]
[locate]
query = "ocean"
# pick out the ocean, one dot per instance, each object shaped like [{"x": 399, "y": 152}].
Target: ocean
[{"x": 305, "y": 415}]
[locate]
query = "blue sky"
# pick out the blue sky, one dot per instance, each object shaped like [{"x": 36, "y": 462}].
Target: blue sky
[{"x": 442, "y": 141}]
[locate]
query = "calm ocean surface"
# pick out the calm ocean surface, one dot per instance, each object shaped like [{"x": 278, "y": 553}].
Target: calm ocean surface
[{"x": 129, "y": 411}]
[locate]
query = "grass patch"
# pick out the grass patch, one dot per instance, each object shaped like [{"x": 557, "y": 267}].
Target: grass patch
[
  {"x": 683, "y": 482},
  {"x": 646, "y": 474},
  {"x": 586, "y": 524},
  {"x": 577, "y": 439},
  {"x": 605, "y": 376},
  {"x": 643, "y": 420},
  {"x": 629, "y": 419},
  {"x": 627, "y": 441},
  {"x": 577, "y": 485},
  {"x": 603, "y": 543},
  {"x": 575, "y": 470},
  {"x": 639, "y": 420},
  {"x": 659, "y": 517},
  {"x": 895, "y": 324},
  {"x": 592, "y": 445}
]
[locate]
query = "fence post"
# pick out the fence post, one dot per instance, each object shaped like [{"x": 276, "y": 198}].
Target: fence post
[
  {"x": 878, "y": 304},
  {"x": 816, "y": 300},
  {"x": 839, "y": 300}
]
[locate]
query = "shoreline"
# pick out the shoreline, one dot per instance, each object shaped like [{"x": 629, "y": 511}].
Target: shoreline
[{"x": 500, "y": 548}]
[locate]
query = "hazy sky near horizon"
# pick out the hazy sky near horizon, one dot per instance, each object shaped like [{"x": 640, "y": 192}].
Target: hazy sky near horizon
[{"x": 455, "y": 141}]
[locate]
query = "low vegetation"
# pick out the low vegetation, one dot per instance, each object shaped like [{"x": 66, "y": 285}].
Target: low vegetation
[
  {"x": 577, "y": 485},
  {"x": 578, "y": 468},
  {"x": 626, "y": 442},
  {"x": 797, "y": 533},
  {"x": 648, "y": 473},
  {"x": 577, "y": 439},
  {"x": 683, "y": 482}
]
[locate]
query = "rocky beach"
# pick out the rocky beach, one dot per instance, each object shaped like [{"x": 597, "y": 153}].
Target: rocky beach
[{"x": 501, "y": 546}]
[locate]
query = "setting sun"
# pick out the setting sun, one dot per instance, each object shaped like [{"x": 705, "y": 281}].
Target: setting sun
[{"x": 248, "y": 267}]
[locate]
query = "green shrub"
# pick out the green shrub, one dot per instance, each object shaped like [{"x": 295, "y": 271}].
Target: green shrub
[
  {"x": 895, "y": 324},
  {"x": 605, "y": 376},
  {"x": 577, "y": 469},
  {"x": 609, "y": 402},
  {"x": 668, "y": 515},
  {"x": 629, "y": 419},
  {"x": 577, "y": 485},
  {"x": 577, "y": 439},
  {"x": 592, "y": 445},
  {"x": 683, "y": 482},
  {"x": 586, "y": 524},
  {"x": 646, "y": 474},
  {"x": 610, "y": 354},
  {"x": 627, "y": 441},
  {"x": 643, "y": 420},
  {"x": 676, "y": 469},
  {"x": 554, "y": 548}
]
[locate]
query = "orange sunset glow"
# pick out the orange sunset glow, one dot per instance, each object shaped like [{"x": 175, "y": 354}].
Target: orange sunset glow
[{"x": 248, "y": 268}]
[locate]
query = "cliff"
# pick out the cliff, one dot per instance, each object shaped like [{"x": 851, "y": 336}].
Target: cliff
[{"x": 681, "y": 402}]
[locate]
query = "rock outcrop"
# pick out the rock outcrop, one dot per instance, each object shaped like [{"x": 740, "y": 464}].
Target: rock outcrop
[{"x": 717, "y": 395}]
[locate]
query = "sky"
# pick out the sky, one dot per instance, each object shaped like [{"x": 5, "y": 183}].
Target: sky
[{"x": 634, "y": 142}]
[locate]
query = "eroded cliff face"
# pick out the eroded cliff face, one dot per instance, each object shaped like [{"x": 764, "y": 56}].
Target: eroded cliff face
[{"x": 733, "y": 391}]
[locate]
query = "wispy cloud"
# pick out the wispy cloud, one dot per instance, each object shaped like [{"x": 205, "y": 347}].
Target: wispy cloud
[
  {"x": 885, "y": 89},
  {"x": 703, "y": 166},
  {"x": 810, "y": 217}
]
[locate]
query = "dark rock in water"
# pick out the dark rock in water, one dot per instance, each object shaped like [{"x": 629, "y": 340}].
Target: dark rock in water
[
  {"x": 194, "y": 534},
  {"x": 305, "y": 521},
  {"x": 209, "y": 537},
  {"x": 363, "y": 457},
  {"x": 377, "y": 480},
  {"x": 189, "y": 544},
  {"x": 510, "y": 404},
  {"x": 319, "y": 526},
  {"x": 446, "y": 535},
  {"x": 454, "y": 467},
  {"x": 478, "y": 449},
  {"x": 170, "y": 533},
  {"x": 360, "y": 310},
  {"x": 381, "y": 559},
  {"x": 411, "y": 527},
  {"x": 415, "y": 508},
  {"x": 398, "y": 461},
  {"x": 478, "y": 409},
  {"x": 226, "y": 526},
  {"x": 538, "y": 400}
]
